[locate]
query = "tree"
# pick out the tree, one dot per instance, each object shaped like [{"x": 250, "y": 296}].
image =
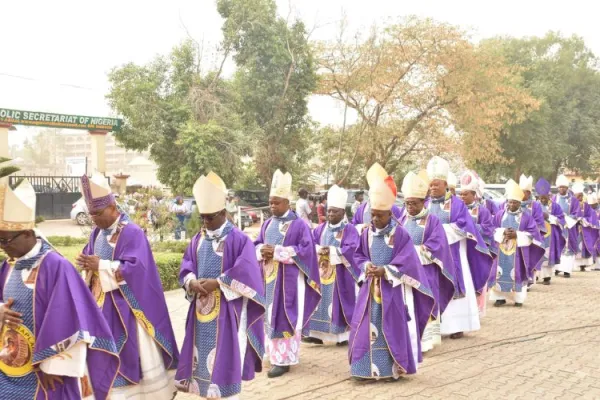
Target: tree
[
  {"x": 565, "y": 131},
  {"x": 187, "y": 119},
  {"x": 6, "y": 170},
  {"x": 419, "y": 88},
  {"x": 275, "y": 75}
]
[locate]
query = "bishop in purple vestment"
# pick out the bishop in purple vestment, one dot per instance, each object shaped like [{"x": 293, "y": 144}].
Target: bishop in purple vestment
[
  {"x": 286, "y": 251},
  {"x": 472, "y": 258},
  {"x": 483, "y": 220},
  {"x": 394, "y": 302},
  {"x": 588, "y": 230},
  {"x": 224, "y": 335},
  {"x": 553, "y": 239},
  {"x": 519, "y": 242},
  {"x": 571, "y": 209},
  {"x": 121, "y": 273},
  {"x": 429, "y": 239},
  {"x": 336, "y": 241},
  {"x": 54, "y": 342}
]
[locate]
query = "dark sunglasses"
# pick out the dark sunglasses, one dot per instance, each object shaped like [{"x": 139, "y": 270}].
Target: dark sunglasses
[
  {"x": 209, "y": 217},
  {"x": 6, "y": 242}
]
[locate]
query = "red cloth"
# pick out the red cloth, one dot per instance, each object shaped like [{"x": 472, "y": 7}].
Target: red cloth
[{"x": 321, "y": 213}]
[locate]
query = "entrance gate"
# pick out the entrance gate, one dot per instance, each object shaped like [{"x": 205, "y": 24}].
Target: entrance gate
[{"x": 55, "y": 195}]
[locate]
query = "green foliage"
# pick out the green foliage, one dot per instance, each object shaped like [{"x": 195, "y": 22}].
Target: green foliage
[
  {"x": 275, "y": 76},
  {"x": 170, "y": 246},
  {"x": 66, "y": 241},
  {"x": 168, "y": 264},
  {"x": 6, "y": 170},
  {"x": 193, "y": 225},
  {"x": 187, "y": 120},
  {"x": 562, "y": 73}
]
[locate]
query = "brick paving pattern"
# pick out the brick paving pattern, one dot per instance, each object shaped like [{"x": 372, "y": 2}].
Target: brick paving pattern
[{"x": 548, "y": 349}]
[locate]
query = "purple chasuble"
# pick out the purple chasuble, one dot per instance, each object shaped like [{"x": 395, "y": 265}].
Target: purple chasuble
[
  {"x": 527, "y": 257},
  {"x": 346, "y": 275},
  {"x": 428, "y": 233},
  {"x": 478, "y": 254},
  {"x": 395, "y": 314},
  {"x": 240, "y": 272},
  {"x": 285, "y": 309},
  {"x": 484, "y": 222},
  {"x": 141, "y": 300},
  {"x": 557, "y": 238},
  {"x": 491, "y": 206},
  {"x": 574, "y": 212},
  {"x": 64, "y": 314}
]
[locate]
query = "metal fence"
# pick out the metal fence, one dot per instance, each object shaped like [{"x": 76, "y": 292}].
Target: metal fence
[
  {"x": 55, "y": 195},
  {"x": 50, "y": 184}
]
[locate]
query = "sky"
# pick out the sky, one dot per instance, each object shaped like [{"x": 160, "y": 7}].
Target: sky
[{"x": 55, "y": 55}]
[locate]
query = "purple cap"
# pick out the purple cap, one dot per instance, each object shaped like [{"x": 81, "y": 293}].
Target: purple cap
[{"x": 542, "y": 187}]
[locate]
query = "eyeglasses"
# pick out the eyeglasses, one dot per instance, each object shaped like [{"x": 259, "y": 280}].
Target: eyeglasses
[
  {"x": 209, "y": 217},
  {"x": 6, "y": 242}
]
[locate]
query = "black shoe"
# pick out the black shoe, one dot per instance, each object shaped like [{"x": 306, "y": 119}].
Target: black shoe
[
  {"x": 556, "y": 272},
  {"x": 457, "y": 335},
  {"x": 567, "y": 275},
  {"x": 582, "y": 268},
  {"x": 278, "y": 370},
  {"x": 518, "y": 304},
  {"x": 311, "y": 340},
  {"x": 499, "y": 303},
  {"x": 342, "y": 344},
  {"x": 546, "y": 281}
]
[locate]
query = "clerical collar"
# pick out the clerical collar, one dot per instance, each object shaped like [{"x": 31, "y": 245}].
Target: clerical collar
[
  {"x": 386, "y": 230},
  {"x": 526, "y": 202},
  {"x": 519, "y": 211},
  {"x": 332, "y": 226},
  {"x": 284, "y": 216},
  {"x": 217, "y": 232},
  {"x": 438, "y": 200},
  {"x": 420, "y": 215},
  {"x": 472, "y": 205}
]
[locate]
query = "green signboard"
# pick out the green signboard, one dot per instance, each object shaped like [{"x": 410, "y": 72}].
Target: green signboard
[{"x": 35, "y": 118}]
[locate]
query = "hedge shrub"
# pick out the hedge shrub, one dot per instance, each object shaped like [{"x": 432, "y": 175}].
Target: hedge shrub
[
  {"x": 167, "y": 263},
  {"x": 64, "y": 241},
  {"x": 171, "y": 246}
]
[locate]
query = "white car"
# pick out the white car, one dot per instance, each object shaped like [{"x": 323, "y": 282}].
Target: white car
[{"x": 79, "y": 213}]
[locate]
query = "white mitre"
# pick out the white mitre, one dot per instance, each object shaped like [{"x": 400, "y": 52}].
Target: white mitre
[
  {"x": 526, "y": 183},
  {"x": 452, "y": 180},
  {"x": 375, "y": 174},
  {"x": 281, "y": 185},
  {"x": 513, "y": 191},
  {"x": 469, "y": 181},
  {"x": 562, "y": 181},
  {"x": 210, "y": 194},
  {"x": 17, "y": 206},
  {"x": 382, "y": 195},
  {"x": 578, "y": 188},
  {"x": 414, "y": 186},
  {"x": 438, "y": 168},
  {"x": 337, "y": 197}
]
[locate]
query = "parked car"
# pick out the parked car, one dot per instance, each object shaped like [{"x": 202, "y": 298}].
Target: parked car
[
  {"x": 253, "y": 198},
  {"x": 80, "y": 214},
  {"x": 250, "y": 210},
  {"x": 246, "y": 220}
]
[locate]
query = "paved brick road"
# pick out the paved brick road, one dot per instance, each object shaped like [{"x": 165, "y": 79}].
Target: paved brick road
[{"x": 549, "y": 349}]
